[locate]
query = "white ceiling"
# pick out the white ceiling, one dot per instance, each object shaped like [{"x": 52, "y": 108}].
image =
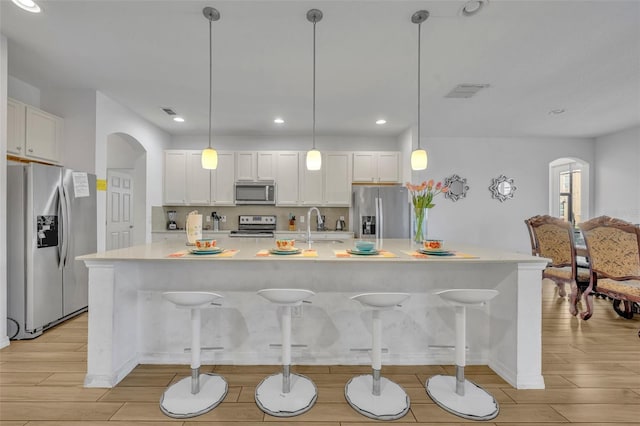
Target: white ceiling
[{"x": 581, "y": 56}]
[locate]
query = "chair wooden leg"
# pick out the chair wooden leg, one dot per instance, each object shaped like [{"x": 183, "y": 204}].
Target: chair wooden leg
[
  {"x": 627, "y": 313},
  {"x": 574, "y": 298},
  {"x": 561, "y": 290}
]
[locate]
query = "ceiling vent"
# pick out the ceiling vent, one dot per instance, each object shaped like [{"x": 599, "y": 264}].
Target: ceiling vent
[
  {"x": 462, "y": 91},
  {"x": 169, "y": 111}
]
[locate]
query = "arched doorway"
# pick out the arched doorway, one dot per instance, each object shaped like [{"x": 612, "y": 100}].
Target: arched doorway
[
  {"x": 126, "y": 191},
  {"x": 569, "y": 189}
]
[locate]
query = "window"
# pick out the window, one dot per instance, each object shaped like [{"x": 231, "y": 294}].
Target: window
[{"x": 569, "y": 190}]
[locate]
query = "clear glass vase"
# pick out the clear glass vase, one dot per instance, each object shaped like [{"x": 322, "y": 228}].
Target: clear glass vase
[{"x": 419, "y": 224}]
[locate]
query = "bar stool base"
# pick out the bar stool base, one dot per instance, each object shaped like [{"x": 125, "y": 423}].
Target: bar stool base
[
  {"x": 178, "y": 401},
  {"x": 476, "y": 404},
  {"x": 300, "y": 399},
  {"x": 391, "y": 404}
]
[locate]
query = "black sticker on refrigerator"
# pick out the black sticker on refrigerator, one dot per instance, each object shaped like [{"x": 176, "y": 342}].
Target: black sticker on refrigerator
[{"x": 47, "y": 232}]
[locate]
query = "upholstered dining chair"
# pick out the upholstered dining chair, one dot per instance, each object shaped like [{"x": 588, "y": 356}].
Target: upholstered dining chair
[
  {"x": 553, "y": 238},
  {"x": 614, "y": 256}
]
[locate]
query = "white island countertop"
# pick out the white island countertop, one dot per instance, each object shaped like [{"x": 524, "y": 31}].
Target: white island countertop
[
  {"x": 249, "y": 247},
  {"x": 130, "y": 322}
]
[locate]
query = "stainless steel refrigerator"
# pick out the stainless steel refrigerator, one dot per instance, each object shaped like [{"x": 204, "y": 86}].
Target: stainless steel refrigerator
[
  {"x": 381, "y": 212},
  {"x": 51, "y": 219}
]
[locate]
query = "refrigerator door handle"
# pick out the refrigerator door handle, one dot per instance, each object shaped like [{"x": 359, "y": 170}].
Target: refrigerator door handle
[
  {"x": 381, "y": 219},
  {"x": 64, "y": 203}
]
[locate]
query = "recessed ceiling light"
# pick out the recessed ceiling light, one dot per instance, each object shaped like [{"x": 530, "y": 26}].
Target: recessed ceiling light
[
  {"x": 278, "y": 121},
  {"x": 178, "y": 119},
  {"x": 28, "y": 5},
  {"x": 557, "y": 111},
  {"x": 472, "y": 7},
  {"x": 381, "y": 121}
]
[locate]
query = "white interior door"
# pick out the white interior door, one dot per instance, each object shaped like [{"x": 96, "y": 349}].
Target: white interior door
[{"x": 119, "y": 209}]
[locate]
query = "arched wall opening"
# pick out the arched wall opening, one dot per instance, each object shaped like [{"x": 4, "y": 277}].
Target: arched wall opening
[{"x": 125, "y": 154}]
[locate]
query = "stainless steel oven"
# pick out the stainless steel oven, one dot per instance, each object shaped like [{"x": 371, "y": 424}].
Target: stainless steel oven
[{"x": 255, "y": 193}]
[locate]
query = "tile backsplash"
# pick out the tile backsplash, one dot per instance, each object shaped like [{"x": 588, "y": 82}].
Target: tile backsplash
[{"x": 332, "y": 214}]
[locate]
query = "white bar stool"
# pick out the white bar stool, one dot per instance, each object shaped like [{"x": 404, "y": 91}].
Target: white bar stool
[
  {"x": 200, "y": 393},
  {"x": 456, "y": 394},
  {"x": 285, "y": 394},
  {"x": 371, "y": 395}
]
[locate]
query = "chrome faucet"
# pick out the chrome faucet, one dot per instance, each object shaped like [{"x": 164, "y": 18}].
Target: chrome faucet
[{"x": 309, "y": 223}]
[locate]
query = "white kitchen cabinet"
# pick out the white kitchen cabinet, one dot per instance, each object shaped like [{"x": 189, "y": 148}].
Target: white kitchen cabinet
[
  {"x": 223, "y": 179},
  {"x": 198, "y": 184},
  {"x": 33, "y": 133},
  {"x": 337, "y": 179},
  {"x": 331, "y": 185},
  {"x": 287, "y": 178},
  {"x": 175, "y": 177},
  {"x": 253, "y": 166},
  {"x": 187, "y": 183},
  {"x": 376, "y": 167},
  {"x": 311, "y": 183}
]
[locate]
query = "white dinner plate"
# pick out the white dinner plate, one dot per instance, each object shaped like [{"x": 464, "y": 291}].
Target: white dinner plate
[
  {"x": 214, "y": 250},
  {"x": 278, "y": 251},
  {"x": 362, "y": 252},
  {"x": 436, "y": 252}
]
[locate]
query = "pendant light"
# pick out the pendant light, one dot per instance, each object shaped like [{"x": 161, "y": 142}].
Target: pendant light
[
  {"x": 419, "y": 156},
  {"x": 314, "y": 158},
  {"x": 210, "y": 155}
]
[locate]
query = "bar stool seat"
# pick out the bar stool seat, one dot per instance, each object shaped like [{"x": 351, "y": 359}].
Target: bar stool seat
[
  {"x": 200, "y": 393},
  {"x": 456, "y": 394},
  {"x": 372, "y": 395},
  {"x": 285, "y": 394}
]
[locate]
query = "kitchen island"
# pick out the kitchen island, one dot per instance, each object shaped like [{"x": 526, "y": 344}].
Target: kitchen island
[{"x": 131, "y": 324}]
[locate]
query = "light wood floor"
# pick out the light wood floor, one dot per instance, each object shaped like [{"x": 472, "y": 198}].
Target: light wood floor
[{"x": 591, "y": 370}]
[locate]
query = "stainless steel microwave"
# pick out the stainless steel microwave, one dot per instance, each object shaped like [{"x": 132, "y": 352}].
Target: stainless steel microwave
[{"x": 255, "y": 193}]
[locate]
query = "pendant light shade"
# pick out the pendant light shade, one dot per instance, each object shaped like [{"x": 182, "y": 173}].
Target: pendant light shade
[
  {"x": 314, "y": 160},
  {"x": 419, "y": 159},
  {"x": 210, "y": 155},
  {"x": 419, "y": 156},
  {"x": 314, "y": 157},
  {"x": 209, "y": 159}
]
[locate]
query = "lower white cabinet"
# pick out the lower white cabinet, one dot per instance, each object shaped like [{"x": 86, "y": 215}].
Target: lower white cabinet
[{"x": 33, "y": 133}]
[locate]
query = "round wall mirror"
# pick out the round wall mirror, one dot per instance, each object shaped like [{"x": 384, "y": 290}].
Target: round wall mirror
[
  {"x": 502, "y": 188},
  {"x": 457, "y": 187}
]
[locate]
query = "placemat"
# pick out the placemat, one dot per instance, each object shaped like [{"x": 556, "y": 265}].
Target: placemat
[
  {"x": 381, "y": 253},
  {"x": 304, "y": 253},
  {"x": 225, "y": 253},
  {"x": 457, "y": 255}
]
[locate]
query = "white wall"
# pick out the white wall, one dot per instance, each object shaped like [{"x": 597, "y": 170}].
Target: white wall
[
  {"x": 478, "y": 218},
  {"x": 78, "y": 109},
  {"x": 4, "y": 339},
  {"x": 23, "y": 92},
  {"x": 617, "y": 171},
  {"x": 111, "y": 118},
  {"x": 286, "y": 143}
]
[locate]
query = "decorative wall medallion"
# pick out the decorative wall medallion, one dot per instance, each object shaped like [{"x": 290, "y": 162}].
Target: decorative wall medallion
[
  {"x": 457, "y": 187},
  {"x": 502, "y": 188}
]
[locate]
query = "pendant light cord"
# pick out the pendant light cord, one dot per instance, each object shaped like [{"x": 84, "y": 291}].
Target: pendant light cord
[
  {"x": 210, "y": 77},
  {"x": 419, "y": 26},
  {"x": 313, "y": 133}
]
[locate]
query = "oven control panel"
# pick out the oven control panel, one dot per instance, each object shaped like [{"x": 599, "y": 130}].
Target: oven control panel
[{"x": 257, "y": 220}]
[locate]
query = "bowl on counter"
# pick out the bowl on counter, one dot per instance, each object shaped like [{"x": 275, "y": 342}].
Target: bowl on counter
[
  {"x": 205, "y": 244},
  {"x": 285, "y": 244},
  {"x": 365, "y": 245},
  {"x": 433, "y": 245}
]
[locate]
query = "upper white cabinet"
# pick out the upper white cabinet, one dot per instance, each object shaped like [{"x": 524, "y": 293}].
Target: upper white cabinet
[
  {"x": 175, "y": 177},
  {"x": 252, "y": 166},
  {"x": 187, "y": 183},
  {"x": 222, "y": 180},
  {"x": 376, "y": 167},
  {"x": 33, "y": 133},
  {"x": 287, "y": 178},
  {"x": 330, "y": 186},
  {"x": 337, "y": 178}
]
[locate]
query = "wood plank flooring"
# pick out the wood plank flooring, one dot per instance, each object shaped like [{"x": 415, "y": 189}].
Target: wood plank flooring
[{"x": 591, "y": 370}]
